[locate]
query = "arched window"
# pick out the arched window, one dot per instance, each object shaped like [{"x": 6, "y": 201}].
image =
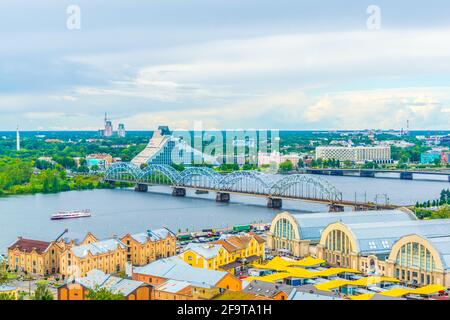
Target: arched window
[
  {"x": 338, "y": 240},
  {"x": 284, "y": 230},
  {"x": 415, "y": 255}
]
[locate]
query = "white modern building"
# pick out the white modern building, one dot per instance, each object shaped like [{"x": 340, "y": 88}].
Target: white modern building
[{"x": 379, "y": 154}]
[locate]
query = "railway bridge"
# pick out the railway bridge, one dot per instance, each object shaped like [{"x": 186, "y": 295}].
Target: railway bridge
[{"x": 275, "y": 188}]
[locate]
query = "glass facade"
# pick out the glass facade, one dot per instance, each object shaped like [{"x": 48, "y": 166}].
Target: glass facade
[
  {"x": 417, "y": 256},
  {"x": 283, "y": 234}
]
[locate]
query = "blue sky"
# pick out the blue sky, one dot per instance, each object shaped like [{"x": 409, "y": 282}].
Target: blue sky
[{"x": 229, "y": 64}]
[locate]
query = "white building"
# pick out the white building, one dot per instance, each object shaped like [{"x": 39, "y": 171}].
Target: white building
[
  {"x": 380, "y": 154},
  {"x": 277, "y": 158}
]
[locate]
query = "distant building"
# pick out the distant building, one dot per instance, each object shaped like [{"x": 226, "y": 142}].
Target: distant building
[
  {"x": 121, "y": 130},
  {"x": 277, "y": 158},
  {"x": 80, "y": 286},
  {"x": 108, "y": 130},
  {"x": 53, "y": 141},
  {"x": 445, "y": 157},
  {"x": 430, "y": 157},
  {"x": 102, "y": 160},
  {"x": 163, "y": 148},
  {"x": 378, "y": 154}
]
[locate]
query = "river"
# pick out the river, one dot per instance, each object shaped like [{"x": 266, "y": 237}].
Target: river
[{"x": 121, "y": 211}]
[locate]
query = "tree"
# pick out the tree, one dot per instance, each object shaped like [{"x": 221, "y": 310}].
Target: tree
[
  {"x": 4, "y": 279},
  {"x": 103, "y": 293},
  {"x": 42, "y": 293},
  {"x": 286, "y": 166}
]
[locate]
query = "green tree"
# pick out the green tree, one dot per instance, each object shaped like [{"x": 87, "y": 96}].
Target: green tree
[
  {"x": 286, "y": 166},
  {"x": 4, "y": 279},
  {"x": 42, "y": 293},
  {"x": 103, "y": 293}
]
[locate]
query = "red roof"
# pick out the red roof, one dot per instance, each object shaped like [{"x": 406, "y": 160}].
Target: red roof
[{"x": 27, "y": 245}]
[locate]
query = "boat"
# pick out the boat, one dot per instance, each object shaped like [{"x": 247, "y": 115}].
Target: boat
[{"x": 71, "y": 214}]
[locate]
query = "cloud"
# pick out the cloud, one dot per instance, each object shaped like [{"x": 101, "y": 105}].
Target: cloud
[{"x": 319, "y": 80}]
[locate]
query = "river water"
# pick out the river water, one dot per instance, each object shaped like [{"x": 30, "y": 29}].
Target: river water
[{"x": 121, "y": 211}]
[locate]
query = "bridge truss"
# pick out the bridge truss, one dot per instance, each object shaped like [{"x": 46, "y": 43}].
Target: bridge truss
[{"x": 296, "y": 186}]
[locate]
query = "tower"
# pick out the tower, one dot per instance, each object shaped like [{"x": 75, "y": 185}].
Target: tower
[
  {"x": 17, "y": 139},
  {"x": 121, "y": 130},
  {"x": 107, "y": 132}
]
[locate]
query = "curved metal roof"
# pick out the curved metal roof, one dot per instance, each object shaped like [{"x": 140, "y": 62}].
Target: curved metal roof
[
  {"x": 311, "y": 225},
  {"x": 376, "y": 238}
]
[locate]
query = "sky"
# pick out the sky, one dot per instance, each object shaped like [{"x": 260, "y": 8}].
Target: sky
[{"x": 227, "y": 64}]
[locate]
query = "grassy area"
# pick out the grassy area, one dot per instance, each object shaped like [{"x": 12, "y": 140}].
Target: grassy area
[{"x": 11, "y": 276}]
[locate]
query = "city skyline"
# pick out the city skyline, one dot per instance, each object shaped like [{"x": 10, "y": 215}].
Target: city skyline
[{"x": 270, "y": 66}]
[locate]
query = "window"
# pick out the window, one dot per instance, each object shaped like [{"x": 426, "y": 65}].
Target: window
[
  {"x": 372, "y": 245},
  {"x": 385, "y": 244}
]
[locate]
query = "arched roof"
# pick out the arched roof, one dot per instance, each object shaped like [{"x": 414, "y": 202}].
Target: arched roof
[
  {"x": 311, "y": 225},
  {"x": 379, "y": 237},
  {"x": 438, "y": 246}
]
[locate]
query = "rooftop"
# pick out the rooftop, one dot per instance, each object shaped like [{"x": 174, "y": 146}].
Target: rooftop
[
  {"x": 176, "y": 269},
  {"x": 311, "y": 225},
  {"x": 97, "y": 248},
  {"x": 152, "y": 235},
  {"x": 27, "y": 245},
  {"x": 378, "y": 237},
  {"x": 97, "y": 278}
]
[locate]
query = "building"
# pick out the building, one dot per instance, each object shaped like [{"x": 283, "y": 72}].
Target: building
[
  {"x": 101, "y": 160},
  {"x": 78, "y": 289},
  {"x": 163, "y": 148},
  {"x": 277, "y": 158},
  {"x": 293, "y": 233},
  {"x": 174, "y": 268},
  {"x": 417, "y": 252},
  {"x": 143, "y": 248},
  {"x": 108, "y": 130},
  {"x": 378, "y": 154},
  {"x": 430, "y": 157},
  {"x": 445, "y": 157},
  {"x": 228, "y": 254},
  {"x": 183, "y": 290},
  {"x": 108, "y": 256},
  {"x": 121, "y": 130},
  {"x": 43, "y": 257},
  {"x": 34, "y": 257},
  {"x": 269, "y": 290}
]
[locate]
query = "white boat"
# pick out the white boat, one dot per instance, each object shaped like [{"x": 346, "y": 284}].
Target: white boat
[{"x": 71, "y": 214}]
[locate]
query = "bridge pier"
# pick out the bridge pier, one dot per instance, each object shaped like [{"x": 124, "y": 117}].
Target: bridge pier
[
  {"x": 360, "y": 208},
  {"x": 141, "y": 188},
  {"x": 367, "y": 174},
  {"x": 274, "y": 203},
  {"x": 179, "y": 192},
  {"x": 336, "y": 208},
  {"x": 406, "y": 175},
  {"x": 448, "y": 178},
  {"x": 222, "y": 197}
]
